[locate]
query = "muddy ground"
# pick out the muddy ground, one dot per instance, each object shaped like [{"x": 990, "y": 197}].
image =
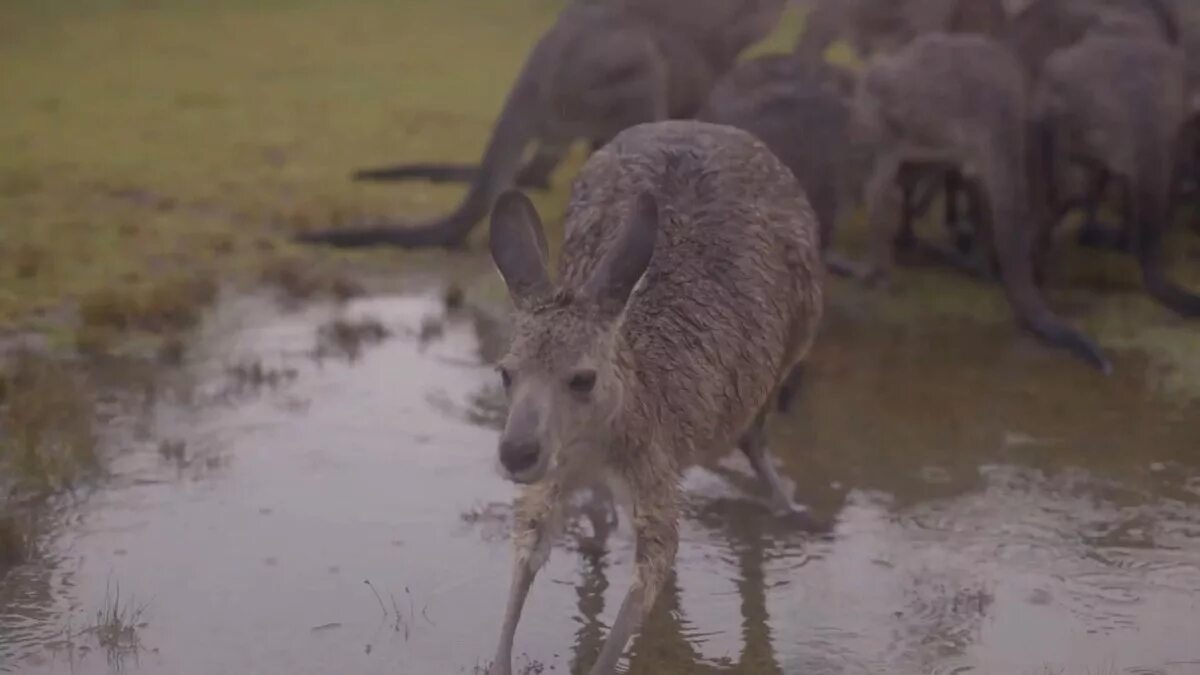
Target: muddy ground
[{"x": 212, "y": 440}]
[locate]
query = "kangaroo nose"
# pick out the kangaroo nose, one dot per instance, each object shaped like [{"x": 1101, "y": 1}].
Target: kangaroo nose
[{"x": 518, "y": 456}]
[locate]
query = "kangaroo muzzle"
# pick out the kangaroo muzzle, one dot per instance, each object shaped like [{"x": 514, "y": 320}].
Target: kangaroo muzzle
[{"x": 521, "y": 452}]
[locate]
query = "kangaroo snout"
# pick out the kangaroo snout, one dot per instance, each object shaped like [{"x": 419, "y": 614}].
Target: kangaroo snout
[{"x": 519, "y": 457}]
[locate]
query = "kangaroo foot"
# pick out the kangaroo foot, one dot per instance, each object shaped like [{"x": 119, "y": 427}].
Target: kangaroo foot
[
  {"x": 1099, "y": 236},
  {"x": 843, "y": 266}
]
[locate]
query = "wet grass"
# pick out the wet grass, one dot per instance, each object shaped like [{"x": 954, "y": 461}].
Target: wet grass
[
  {"x": 347, "y": 338},
  {"x": 237, "y": 126},
  {"x": 148, "y": 145},
  {"x": 14, "y": 542},
  {"x": 47, "y": 436},
  {"x": 116, "y": 626},
  {"x": 298, "y": 279}
]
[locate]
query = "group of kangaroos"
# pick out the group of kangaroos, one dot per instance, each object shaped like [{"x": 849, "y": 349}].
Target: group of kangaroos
[{"x": 689, "y": 283}]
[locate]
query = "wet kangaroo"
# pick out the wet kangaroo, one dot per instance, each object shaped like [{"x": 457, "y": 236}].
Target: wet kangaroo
[
  {"x": 961, "y": 100},
  {"x": 883, "y": 26},
  {"x": 689, "y": 285},
  {"x": 1118, "y": 98},
  {"x": 1033, "y": 31},
  {"x": 602, "y": 67}
]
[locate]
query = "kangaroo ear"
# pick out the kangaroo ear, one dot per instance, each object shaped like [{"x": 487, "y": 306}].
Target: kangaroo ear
[
  {"x": 518, "y": 246},
  {"x": 627, "y": 259}
]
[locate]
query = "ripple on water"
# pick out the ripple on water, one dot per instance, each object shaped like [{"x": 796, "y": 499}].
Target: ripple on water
[{"x": 989, "y": 565}]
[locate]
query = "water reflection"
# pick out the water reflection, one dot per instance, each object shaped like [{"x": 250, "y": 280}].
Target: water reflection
[{"x": 995, "y": 512}]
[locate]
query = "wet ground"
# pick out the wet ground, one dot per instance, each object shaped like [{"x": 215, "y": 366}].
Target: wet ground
[{"x": 314, "y": 492}]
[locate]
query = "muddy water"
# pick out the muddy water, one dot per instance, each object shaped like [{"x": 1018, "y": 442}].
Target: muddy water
[{"x": 300, "y": 502}]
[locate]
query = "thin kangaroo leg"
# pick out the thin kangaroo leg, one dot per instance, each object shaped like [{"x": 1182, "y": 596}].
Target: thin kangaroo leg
[
  {"x": 880, "y": 218},
  {"x": 962, "y": 234},
  {"x": 789, "y": 388},
  {"x": 909, "y": 180},
  {"x": 981, "y": 257},
  {"x": 545, "y": 159},
  {"x": 754, "y": 445},
  {"x": 1092, "y": 233},
  {"x": 600, "y": 509},
  {"x": 655, "y": 518},
  {"x": 536, "y": 520}
]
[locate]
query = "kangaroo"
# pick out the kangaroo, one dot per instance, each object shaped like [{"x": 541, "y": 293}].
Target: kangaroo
[
  {"x": 602, "y": 67},
  {"x": 883, "y": 26},
  {"x": 961, "y": 99},
  {"x": 689, "y": 285},
  {"x": 1118, "y": 97},
  {"x": 1035, "y": 30},
  {"x": 800, "y": 110},
  {"x": 1047, "y": 26}
]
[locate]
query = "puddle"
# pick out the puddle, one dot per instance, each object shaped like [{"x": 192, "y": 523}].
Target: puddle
[{"x": 321, "y": 498}]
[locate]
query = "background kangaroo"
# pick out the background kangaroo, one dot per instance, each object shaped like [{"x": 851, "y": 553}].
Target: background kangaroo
[
  {"x": 800, "y": 109},
  {"x": 1031, "y": 29},
  {"x": 602, "y": 67},
  {"x": 1118, "y": 97},
  {"x": 688, "y": 287},
  {"x": 961, "y": 99}
]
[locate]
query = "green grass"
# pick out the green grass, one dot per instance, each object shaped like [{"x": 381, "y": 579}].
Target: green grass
[
  {"x": 146, "y": 142},
  {"x": 46, "y": 422},
  {"x": 142, "y": 138}
]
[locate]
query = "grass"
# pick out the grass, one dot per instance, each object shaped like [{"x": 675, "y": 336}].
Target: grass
[
  {"x": 153, "y": 149},
  {"x": 14, "y": 542},
  {"x": 116, "y": 626},
  {"x": 347, "y": 338},
  {"x": 148, "y": 137},
  {"x": 47, "y": 439}
]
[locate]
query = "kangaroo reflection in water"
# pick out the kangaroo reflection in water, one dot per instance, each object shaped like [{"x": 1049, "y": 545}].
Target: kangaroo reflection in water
[{"x": 664, "y": 646}]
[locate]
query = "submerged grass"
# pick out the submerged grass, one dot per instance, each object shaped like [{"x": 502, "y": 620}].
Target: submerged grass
[{"x": 47, "y": 439}]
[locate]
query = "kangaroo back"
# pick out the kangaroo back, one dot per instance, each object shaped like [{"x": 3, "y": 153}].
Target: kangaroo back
[{"x": 732, "y": 296}]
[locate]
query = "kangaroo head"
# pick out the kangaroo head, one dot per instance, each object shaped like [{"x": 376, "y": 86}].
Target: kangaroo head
[{"x": 561, "y": 373}]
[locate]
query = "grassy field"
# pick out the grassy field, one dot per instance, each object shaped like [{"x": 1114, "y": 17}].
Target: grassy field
[{"x": 152, "y": 150}]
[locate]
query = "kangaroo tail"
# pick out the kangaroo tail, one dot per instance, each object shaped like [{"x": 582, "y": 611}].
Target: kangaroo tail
[
  {"x": 433, "y": 172},
  {"x": 1151, "y": 213},
  {"x": 514, "y": 131},
  {"x": 1015, "y": 217}
]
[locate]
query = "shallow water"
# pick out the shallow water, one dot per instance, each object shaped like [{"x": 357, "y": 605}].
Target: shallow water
[{"x": 998, "y": 510}]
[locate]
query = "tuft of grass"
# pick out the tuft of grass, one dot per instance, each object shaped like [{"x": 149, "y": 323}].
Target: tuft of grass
[
  {"x": 117, "y": 624},
  {"x": 348, "y": 338},
  {"x": 14, "y": 542},
  {"x": 47, "y": 439},
  {"x": 173, "y": 304},
  {"x": 298, "y": 279},
  {"x": 254, "y": 375}
]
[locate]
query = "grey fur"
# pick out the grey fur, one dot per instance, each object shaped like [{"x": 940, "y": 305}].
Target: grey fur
[
  {"x": 884, "y": 26},
  {"x": 602, "y": 67},
  {"x": 1118, "y": 97},
  {"x": 960, "y": 99},
  {"x": 682, "y": 371},
  {"x": 800, "y": 109}
]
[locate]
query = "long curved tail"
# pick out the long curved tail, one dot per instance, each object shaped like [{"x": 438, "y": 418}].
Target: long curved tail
[
  {"x": 1031, "y": 309},
  {"x": 1015, "y": 218},
  {"x": 514, "y": 131},
  {"x": 433, "y": 172},
  {"x": 1151, "y": 215}
]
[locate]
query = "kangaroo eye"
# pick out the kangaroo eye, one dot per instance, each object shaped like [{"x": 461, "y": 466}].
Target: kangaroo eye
[
  {"x": 582, "y": 381},
  {"x": 505, "y": 377}
]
